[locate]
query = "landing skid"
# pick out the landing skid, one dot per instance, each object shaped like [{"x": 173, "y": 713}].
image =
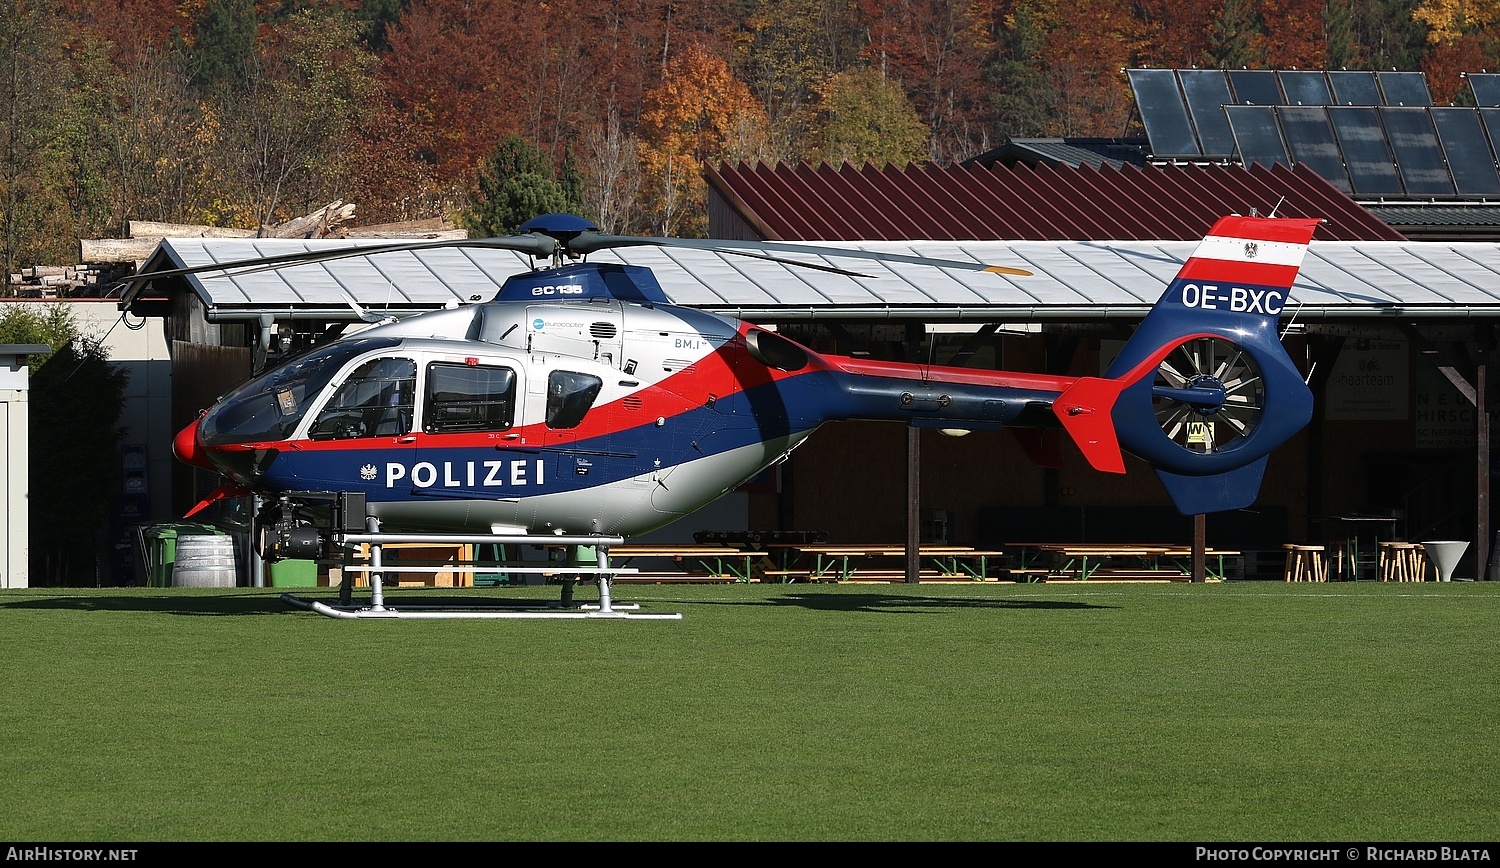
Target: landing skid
[{"x": 606, "y": 608}]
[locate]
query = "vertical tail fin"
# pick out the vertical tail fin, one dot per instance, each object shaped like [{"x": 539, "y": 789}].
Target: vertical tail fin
[{"x": 1204, "y": 390}]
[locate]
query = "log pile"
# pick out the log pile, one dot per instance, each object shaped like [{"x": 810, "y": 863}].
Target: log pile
[{"x": 106, "y": 260}]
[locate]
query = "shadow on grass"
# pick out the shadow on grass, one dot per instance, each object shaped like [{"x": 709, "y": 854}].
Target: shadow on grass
[
  {"x": 243, "y": 603},
  {"x": 263, "y": 603},
  {"x": 872, "y": 602}
]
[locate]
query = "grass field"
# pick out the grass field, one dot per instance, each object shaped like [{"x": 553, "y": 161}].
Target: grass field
[{"x": 1241, "y": 711}]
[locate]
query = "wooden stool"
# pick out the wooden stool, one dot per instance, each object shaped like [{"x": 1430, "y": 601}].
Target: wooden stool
[
  {"x": 1397, "y": 562},
  {"x": 1418, "y": 563},
  {"x": 1305, "y": 563}
]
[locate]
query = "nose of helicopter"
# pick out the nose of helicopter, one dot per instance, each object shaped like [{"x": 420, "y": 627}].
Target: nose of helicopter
[{"x": 187, "y": 448}]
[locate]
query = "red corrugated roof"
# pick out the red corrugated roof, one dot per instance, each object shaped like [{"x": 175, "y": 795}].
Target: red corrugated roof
[{"x": 1028, "y": 202}]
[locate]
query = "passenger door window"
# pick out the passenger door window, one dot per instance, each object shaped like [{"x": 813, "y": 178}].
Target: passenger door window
[{"x": 469, "y": 398}]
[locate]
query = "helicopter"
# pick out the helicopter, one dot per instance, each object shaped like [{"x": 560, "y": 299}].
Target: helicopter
[{"x": 580, "y": 404}]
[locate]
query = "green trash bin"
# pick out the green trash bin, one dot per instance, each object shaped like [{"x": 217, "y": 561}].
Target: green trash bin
[{"x": 161, "y": 551}]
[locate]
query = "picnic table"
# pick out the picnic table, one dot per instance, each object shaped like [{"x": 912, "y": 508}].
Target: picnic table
[
  {"x": 687, "y": 562},
  {"x": 885, "y": 562},
  {"x": 1084, "y": 561}
]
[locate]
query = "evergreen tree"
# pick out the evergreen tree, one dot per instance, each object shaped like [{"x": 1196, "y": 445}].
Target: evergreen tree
[
  {"x": 1236, "y": 33},
  {"x": 515, "y": 185},
  {"x": 224, "y": 49},
  {"x": 1024, "y": 98}
]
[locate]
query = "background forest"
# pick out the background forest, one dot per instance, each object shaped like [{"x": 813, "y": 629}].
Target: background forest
[{"x": 244, "y": 113}]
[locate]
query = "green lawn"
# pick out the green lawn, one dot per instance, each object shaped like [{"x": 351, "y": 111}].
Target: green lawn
[{"x": 1241, "y": 711}]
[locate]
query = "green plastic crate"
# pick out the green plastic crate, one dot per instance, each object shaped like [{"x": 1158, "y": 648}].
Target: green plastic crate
[{"x": 294, "y": 573}]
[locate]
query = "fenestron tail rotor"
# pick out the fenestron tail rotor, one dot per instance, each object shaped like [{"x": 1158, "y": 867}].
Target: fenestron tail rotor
[{"x": 1208, "y": 394}]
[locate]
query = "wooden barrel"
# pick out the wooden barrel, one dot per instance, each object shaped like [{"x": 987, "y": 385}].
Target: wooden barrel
[{"x": 204, "y": 561}]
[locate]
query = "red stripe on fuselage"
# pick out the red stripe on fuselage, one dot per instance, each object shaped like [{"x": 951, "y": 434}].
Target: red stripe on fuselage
[
  {"x": 944, "y": 374},
  {"x": 722, "y": 373}
]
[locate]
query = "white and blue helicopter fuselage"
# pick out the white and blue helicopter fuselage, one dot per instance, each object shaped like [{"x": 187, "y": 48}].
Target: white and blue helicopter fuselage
[{"x": 580, "y": 401}]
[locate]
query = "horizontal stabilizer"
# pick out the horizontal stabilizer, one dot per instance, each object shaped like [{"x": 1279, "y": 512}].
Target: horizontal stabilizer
[
  {"x": 1084, "y": 410},
  {"x": 1216, "y": 492}
]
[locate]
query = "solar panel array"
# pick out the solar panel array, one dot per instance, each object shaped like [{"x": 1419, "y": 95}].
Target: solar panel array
[{"x": 1374, "y": 135}]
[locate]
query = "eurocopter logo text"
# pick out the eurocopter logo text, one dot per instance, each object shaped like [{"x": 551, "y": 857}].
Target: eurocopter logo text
[
  {"x": 463, "y": 474},
  {"x": 1238, "y": 299}
]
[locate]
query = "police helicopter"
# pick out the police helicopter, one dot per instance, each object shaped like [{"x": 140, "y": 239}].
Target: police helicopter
[{"x": 581, "y": 407}]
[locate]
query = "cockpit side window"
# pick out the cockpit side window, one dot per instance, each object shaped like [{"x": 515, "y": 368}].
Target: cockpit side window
[
  {"x": 271, "y": 406},
  {"x": 376, "y": 400},
  {"x": 469, "y": 398},
  {"x": 569, "y": 397}
]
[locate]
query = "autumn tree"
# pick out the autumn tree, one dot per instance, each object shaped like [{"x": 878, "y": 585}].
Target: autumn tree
[
  {"x": 446, "y": 78},
  {"x": 789, "y": 48},
  {"x": 937, "y": 50},
  {"x": 284, "y": 133},
  {"x": 863, "y": 117},
  {"x": 153, "y": 143},
  {"x": 611, "y": 175},
  {"x": 1293, "y": 35},
  {"x": 700, "y": 113},
  {"x": 32, "y": 86},
  {"x": 1087, "y": 43},
  {"x": 1461, "y": 38},
  {"x": 1176, "y": 34}
]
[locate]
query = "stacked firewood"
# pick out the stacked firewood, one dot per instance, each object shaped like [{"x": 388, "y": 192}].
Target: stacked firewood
[{"x": 103, "y": 261}]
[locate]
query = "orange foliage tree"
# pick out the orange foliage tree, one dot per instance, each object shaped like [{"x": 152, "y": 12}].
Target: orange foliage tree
[
  {"x": 451, "y": 77},
  {"x": 701, "y": 112},
  {"x": 1293, "y": 33},
  {"x": 1087, "y": 43}
]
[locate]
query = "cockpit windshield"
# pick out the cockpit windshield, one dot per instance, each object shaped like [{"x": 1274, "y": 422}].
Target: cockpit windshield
[{"x": 270, "y": 406}]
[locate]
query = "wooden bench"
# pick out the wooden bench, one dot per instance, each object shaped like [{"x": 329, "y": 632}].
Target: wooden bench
[
  {"x": 1030, "y": 574},
  {"x": 787, "y": 575}
]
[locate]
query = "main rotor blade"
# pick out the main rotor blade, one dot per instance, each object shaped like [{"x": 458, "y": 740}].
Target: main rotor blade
[
  {"x": 535, "y": 244},
  {"x": 590, "y": 242}
]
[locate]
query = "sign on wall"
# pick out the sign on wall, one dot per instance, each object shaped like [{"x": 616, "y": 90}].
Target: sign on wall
[
  {"x": 1370, "y": 380},
  {"x": 1444, "y": 417}
]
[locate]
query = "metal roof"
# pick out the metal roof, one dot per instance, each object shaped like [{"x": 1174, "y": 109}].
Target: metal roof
[
  {"x": 1021, "y": 201},
  {"x": 1078, "y": 281}
]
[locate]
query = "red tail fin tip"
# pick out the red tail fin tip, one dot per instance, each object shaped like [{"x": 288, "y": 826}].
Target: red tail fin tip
[{"x": 1084, "y": 410}]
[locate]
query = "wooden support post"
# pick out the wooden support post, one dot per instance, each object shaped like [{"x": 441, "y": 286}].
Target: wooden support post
[
  {"x": 1200, "y": 547},
  {"x": 1482, "y": 438},
  {"x": 915, "y": 332}
]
